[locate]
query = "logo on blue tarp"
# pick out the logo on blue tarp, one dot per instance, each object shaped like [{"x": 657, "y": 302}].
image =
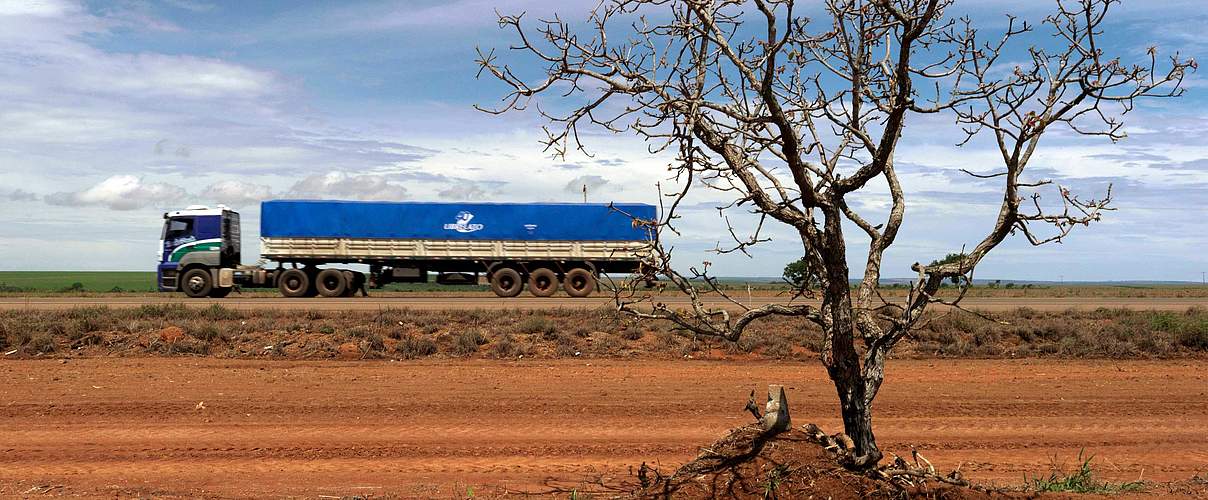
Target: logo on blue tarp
[{"x": 463, "y": 223}]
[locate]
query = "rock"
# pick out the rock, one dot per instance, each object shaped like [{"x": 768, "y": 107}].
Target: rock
[
  {"x": 349, "y": 350},
  {"x": 776, "y": 413},
  {"x": 171, "y": 334}
]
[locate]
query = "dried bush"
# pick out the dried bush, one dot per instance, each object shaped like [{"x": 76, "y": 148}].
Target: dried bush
[
  {"x": 467, "y": 342},
  {"x": 415, "y": 346}
]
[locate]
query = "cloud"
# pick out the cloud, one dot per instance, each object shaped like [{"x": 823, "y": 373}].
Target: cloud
[
  {"x": 592, "y": 182},
  {"x": 121, "y": 192},
  {"x": 21, "y": 195},
  {"x": 344, "y": 185},
  {"x": 191, "y": 5},
  {"x": 463, "y": 191},
  {"x": 236, "y": 193}
]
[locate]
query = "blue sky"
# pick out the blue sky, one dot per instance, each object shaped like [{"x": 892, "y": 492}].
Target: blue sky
[{"x": 114, "y": 112}]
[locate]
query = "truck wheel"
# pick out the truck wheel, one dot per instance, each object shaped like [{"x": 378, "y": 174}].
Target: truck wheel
[
  {"x": 331, "y": 283},
  {"x": 356, "y": 281},
  {"x": 579, "y": 282},
  {"x": 197, "y": 283},
  {"x": 543, "y": 283},
  {"x": 293, "y": 283},
  {"x": 506, "y": 282}
]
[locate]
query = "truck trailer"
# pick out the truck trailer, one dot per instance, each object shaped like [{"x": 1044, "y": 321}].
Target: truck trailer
[{"x": 507, "y": 245}]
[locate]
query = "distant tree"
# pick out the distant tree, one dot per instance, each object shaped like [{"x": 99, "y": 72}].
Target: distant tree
[
  {"x": 791, "y": 118},
  {"x": 797, "y": 274},
  {"x": 952, "y": 258}
]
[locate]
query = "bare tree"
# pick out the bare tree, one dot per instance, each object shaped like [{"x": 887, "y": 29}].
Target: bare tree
[{"x": 790, "y": 117}]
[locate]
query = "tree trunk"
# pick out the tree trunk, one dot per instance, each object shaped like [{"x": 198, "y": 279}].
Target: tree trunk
[
  {"x": 857, "y": 422},
  {"x": 843, "y": 360}
]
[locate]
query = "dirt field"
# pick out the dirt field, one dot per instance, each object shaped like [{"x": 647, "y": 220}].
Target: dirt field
[
  {"x": 479, "y": 301},
  {"x": 194, "y": 427}
]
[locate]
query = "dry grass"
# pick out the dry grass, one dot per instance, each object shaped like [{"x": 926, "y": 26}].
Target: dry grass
[{"x": 412, "y": 334}]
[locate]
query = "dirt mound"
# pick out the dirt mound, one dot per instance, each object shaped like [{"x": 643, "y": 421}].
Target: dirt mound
[{"x": 749, "y": 464}]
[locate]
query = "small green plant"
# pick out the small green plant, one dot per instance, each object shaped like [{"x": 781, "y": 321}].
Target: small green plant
[
  {"x": 773, "y": 481},
  {"x": 1080, "y": 481},
  {"x": 75, "y": 287}
]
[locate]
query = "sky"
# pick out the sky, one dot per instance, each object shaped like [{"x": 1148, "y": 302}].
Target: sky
[{"x": 112, "y": 113}]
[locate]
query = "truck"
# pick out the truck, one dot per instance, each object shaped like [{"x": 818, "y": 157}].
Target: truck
[{"x": 308, "y": 246}]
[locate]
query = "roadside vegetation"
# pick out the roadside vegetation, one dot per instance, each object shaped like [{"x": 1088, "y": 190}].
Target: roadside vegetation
[
  {"x": 180, "y": 330},
  {"x": 1080, "y": 480}
]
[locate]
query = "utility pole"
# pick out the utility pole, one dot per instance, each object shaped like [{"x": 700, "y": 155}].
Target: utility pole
[{"x": 585, "y": 193}]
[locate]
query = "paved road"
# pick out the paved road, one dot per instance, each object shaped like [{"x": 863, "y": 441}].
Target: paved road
[{"x": 484, "y": 302}]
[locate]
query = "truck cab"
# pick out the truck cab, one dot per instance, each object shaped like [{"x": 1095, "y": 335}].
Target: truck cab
[{"x": 194, "y": 245}]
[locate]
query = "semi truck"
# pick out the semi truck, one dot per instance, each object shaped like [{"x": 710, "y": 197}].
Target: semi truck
[{"x": 308, "y": 246}]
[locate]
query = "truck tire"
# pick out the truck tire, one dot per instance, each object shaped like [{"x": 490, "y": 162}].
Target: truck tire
[
  {"x": 293, "y": 283},
  {"x": 197, "y": 283},
  {"x": 356, "y": 281},
  {"x": 579, "y": 282},
  {"x": 331, "y": 283},
  {"x": 506, "y": 282},
  {"x": 543, "y": 282}
]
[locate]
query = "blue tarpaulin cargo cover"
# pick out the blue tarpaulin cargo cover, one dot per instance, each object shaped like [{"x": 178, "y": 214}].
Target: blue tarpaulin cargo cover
[{"x": 454, "y": 221}]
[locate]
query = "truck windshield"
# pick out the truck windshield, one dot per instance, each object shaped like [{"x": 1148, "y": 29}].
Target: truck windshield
[{"x": 176, "y": 228}]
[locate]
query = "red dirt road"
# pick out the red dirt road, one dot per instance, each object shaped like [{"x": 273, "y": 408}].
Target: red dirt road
[{"x": 205, "y": 427}]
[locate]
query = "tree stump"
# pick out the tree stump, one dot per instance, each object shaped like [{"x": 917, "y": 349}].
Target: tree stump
[{"x": 776, "y": 412}]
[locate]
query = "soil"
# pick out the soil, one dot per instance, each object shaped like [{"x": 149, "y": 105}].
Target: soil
[
  {"x": 751, "y": 464},
  {"x": 190, "y": 427}
]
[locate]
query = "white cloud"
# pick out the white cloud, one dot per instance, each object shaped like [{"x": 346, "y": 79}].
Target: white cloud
[
  {"x": 592, "y": 183},
  {"x": 344, "y": 185},
  {"x": 121, "y": 192},
  {"x": 236, "y": 193},
  {"x": 463, "y": 191}
]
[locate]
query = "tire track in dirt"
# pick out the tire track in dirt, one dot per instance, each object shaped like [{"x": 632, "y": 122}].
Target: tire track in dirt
[{"x": 427, "y": 428}]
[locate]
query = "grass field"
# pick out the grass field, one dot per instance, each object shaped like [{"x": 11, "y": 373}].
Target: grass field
[{"x": 89, "y": 281}]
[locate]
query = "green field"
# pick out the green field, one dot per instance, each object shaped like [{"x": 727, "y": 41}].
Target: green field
[{"x": 89, "y": 281}]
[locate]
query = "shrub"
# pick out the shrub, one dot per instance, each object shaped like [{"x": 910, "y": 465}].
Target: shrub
[
  {"x": 42, "y": 342},
  {"x": 538, "y": 325},
  {"x": 217, "y": 312},
  {"x": 159, "y": 311},
  {"x": 632, "y": 333},
  {"x": 373, "y": 342},
  {"x": 467, "y": 342},
  {"x": 566, "y": 345},
  {"x": 1195, "y": 339},
  {"x": 608, "y": 345},
  {"x": 508, "y": 347},
  {"x": 208, "y": 333},
  {"x": 414, "y": 346}
]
